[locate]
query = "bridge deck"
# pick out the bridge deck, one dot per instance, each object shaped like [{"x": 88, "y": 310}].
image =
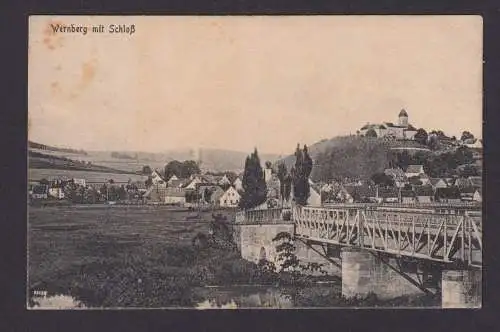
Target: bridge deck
[{"x": 419, "y": 233}]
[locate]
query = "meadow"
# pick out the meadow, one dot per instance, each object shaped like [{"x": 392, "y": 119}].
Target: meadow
[
  {"x": 36, "y": 174},
  {"x": 117, "y": 256}
]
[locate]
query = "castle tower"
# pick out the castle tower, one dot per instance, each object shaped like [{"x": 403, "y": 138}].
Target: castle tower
[{"x": 403, "y": 118}]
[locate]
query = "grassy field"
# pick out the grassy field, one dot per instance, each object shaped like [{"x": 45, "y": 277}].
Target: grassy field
[
  {"x": 36, "y": 174},
  {"x": 121, "y": 256}
]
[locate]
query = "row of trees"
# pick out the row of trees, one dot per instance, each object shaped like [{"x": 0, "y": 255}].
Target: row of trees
[
  {"x": 182, "y": 169},
  {"x": 254, "y": 184}
]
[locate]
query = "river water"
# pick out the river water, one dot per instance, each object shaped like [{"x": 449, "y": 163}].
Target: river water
[
  {"x": 210, "y": 297},
  {"x": 235, "y": 297}
]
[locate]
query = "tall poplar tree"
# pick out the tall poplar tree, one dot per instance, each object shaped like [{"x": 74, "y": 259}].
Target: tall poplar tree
[
  {"x": 300, "y": 175},
  {"x": 254, "y": 183}
]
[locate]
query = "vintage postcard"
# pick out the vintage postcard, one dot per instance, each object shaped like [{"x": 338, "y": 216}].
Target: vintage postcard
[{"x": 276, "y": 162}]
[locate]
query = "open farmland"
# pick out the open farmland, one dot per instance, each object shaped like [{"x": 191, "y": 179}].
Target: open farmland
[
  {"x": 36, "y": 174},
  {"x": 114, "y": 256}
]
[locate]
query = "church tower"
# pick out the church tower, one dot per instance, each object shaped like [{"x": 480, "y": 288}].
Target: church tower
[{"x": 403, "y": 118}]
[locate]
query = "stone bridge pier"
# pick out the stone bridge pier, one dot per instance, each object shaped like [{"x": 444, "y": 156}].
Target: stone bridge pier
[{"x": 364, "y": 272}]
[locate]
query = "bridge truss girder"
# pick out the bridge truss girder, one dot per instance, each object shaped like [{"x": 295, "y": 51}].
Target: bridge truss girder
[{"x": 450, "y": 239}]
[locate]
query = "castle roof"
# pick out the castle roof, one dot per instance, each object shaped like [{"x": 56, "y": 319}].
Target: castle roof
[{"x": 403, "y": 113}]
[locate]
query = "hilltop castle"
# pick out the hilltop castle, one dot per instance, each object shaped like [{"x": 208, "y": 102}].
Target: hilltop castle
[{"x": 402, "y": 130}]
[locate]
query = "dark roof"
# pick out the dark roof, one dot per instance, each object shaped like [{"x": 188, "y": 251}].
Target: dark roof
[
  {"x": 424, "y": 191},
  {"x": 449, "y": 192},
  {"x": 403, "y": 113},
  {"x": 410, "y": 127},
  {"x": 407, "y": 193},
  {"x": 388, "y": 192},
  {"x": 40, "y": 189},
  {"x": 468, "y": 190},
  {"x": 363, "y": 191},
  {"x": 389, "y": 124}
]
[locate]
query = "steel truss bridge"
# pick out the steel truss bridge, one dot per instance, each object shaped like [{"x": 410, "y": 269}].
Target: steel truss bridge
[{"x": 412, "y": 233}]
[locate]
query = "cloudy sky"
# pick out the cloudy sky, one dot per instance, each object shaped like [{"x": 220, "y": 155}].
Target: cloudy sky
[{"x": 240, "y": 82}]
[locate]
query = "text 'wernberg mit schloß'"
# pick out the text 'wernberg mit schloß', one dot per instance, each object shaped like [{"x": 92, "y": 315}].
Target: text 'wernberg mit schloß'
[{"x": 100, "y": 28}]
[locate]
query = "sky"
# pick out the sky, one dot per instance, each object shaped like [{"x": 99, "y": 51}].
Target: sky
[{"x": 250, "y": 81}]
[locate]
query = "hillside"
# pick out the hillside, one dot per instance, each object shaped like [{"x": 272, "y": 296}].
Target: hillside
[
  {"x": 352, "y": 156},
  {"x": 34, "y": 145},
  {"x": 38, "y": 160}
]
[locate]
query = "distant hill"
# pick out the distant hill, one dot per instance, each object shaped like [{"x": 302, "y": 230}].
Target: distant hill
[
  {"x": 215, "y": 160},
  {"x": 34, "y": 145},
  {"x": 37, "y": 160},
  {"x": 227, "y": 160}
]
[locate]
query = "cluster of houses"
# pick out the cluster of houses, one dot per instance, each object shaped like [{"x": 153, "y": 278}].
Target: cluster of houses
[
  {"x": 81, "y": 191},
  {"x": 225, "y": 191},
  {"x": 199, "y": 189},
  {"x": 410, "y": 186}
]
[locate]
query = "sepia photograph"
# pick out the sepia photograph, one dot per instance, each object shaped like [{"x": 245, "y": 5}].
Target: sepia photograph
[{"x": 255, "y": 162}]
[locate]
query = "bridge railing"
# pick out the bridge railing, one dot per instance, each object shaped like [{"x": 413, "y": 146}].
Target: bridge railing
[
  {"x": 262, "y": 216},
  {"x": 424, "y": 234}
]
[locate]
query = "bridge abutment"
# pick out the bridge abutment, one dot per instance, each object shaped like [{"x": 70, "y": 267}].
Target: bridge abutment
[
  {"x": 364, "y": 273},
  {"x": 461, "y": 289},
  {"x": 255, "y": 241}
]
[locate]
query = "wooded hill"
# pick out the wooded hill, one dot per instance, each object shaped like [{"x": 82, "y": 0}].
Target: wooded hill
[{"x": 358, "y": 158}]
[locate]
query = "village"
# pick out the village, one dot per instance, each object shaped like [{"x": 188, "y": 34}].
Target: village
[{"x": 411, "y": 185}]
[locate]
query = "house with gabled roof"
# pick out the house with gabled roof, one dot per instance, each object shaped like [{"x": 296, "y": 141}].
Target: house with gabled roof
[
  {"x": 192, "y": 184},
  {"x": 224, "y": 181},
  {"x": 158, "y": 180},
  {"x": 438, "y": 183},
  {"x": 230, "y": 199},
  {"x": 425, "y": 179},
  {"x": 424, "y": 194},
  {"x": 408, "y": 196},
  {"x": 478, "y": 195},
  {"x": 175, "y": 196},
  {"x": 448, "y": 195},
  {"x": 172, "y": 178},
  {"x": 389, "y": 195},
  {"x": 463, "y": 183}
]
